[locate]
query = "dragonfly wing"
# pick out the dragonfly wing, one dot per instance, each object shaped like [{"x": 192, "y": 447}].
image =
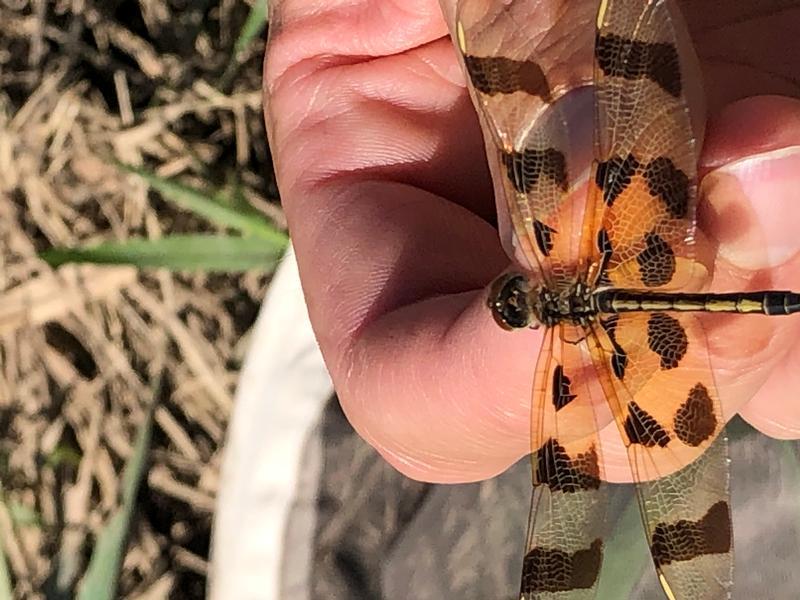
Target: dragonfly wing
[
  {"x": 659, "y": 383},
  {"x": 520, "y": 60},
  {"x": 564, "y": 546},
  {"x": 643, "y": 197}
]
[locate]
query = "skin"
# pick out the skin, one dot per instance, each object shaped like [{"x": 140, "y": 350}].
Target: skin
[{"x": 382, "y": 170}]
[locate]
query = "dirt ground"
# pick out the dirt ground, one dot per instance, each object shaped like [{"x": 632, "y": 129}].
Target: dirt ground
[{"x": 84, "y": 351}]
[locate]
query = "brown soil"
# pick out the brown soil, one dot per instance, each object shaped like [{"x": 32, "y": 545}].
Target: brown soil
[{"x": 83, "y": 349}]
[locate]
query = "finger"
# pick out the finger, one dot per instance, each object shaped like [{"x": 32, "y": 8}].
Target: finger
[
  {"x": 437, "y": 411},
  {"x": 775, "y": 409},
  {"x": 773, "y": 171},
  {"x": 750, "y": 210},
  {"x": 336, "y": 123},
  {"x": 361, "y": 149}
]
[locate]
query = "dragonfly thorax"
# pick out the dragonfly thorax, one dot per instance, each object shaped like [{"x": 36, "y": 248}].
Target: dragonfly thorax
[{"x": 517, "y": 303}]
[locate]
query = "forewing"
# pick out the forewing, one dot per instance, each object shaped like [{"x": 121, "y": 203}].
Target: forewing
[
  {"x": 661, "y": 389},
  {"x": 644, "y": 191},
  {"x": 521, "y": 57},
  {"x": 565, "y": 533}
]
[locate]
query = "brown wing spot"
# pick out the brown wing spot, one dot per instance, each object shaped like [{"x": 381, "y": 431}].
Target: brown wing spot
[
  {"x": 685, "y": 540},
  {"x": 561, "y": 388},
  {"x": 619, "y": 360},
  {"x": 524, "y": 169},
  {"x": 656, "y": 261},
  {"x": 666, "y": 337},
  {"x": 614, "y": 175},
  {"x": 670, "y": 184},
  {"x": 562, "y": 473},
  {"x": 642, "y": 428},
  {"x": 499, "y": 75},
  {"x": 544, "y": 237},
  {"x": 632, "y": 59},
  {"x": 695, "y": 420},
  {"x": 552, "y": 570}
]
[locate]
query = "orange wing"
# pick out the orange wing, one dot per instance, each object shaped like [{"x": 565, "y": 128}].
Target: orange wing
[
  {"x": 658, "y": 380},
  {"x": 517, "y": 56},
  {"x": 642, "y": 204},
  {"x": 654, "y": 367},
  {"x": 564, "y": 546}
]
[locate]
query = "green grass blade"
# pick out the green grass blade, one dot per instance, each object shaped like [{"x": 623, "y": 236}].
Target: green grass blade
[
  {"x": 209, "y": 206},
  {"x": 625, "y": 556},
  {"x": 253, "y": 26},
  {"x": 6, "y": 592},
  {"x": 23, "y": 515},
  {"x": 102, "y": 575},
  {"x": 201, "y": 252},
  {"x": 63, "y": 455}
]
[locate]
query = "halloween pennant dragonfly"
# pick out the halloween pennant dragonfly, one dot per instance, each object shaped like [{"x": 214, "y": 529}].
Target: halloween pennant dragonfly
[{"x": 604, "y": 230}]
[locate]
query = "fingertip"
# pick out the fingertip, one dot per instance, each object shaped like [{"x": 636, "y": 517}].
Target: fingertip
[{"x": 751, "y": 163}]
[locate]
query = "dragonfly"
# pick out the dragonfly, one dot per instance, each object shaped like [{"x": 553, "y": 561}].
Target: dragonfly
[{"x": 604, "y": 221}]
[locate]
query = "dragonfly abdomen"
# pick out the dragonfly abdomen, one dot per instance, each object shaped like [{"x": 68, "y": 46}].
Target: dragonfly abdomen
[{"x": 765, "y": 302}]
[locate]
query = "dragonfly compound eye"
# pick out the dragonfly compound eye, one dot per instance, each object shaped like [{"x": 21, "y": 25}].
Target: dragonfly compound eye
[{"x": 509, "y": 299}]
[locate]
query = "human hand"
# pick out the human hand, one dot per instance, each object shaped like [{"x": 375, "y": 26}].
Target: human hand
[{"x": 381, "y": 166}]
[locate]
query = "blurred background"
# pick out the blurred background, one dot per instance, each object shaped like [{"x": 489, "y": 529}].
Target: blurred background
[
  {"x": 167, "y": 427},
  {"x": 131, "y": 133}
]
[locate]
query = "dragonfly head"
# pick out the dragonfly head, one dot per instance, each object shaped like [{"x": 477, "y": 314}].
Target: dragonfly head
[{"x": 512, "y": 302}]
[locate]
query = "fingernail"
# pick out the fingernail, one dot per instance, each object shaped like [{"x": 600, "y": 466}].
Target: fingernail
[{"x": 755, "y": 208}]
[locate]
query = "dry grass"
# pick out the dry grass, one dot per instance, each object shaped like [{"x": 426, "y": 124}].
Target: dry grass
[{"x": 81, "y": 347}]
